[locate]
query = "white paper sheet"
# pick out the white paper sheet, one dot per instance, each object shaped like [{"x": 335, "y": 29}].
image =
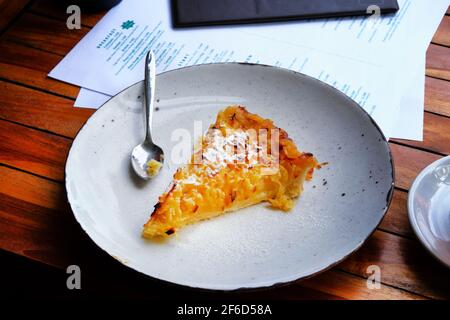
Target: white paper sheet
[
  {"x": 409, "y": 124},
  {"x": 369, "y": 40},
  {"x": 90, "y": 99},
  {"x": 358, "y": 62}
]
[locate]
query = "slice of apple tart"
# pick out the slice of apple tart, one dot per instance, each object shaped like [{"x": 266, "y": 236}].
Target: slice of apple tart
[{"x": 242, "y": 160}]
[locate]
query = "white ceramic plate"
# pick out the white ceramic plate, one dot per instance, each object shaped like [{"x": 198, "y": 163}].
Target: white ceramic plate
[
  {"x": 257, "y": 246},
  {"x": 429, "y": 208}
]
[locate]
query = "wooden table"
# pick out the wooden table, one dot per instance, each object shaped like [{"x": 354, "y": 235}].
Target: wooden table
[{"x": 38, "y": 123}]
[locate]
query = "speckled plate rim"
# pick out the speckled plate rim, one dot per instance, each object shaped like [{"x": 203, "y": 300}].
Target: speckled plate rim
[
  {"x": 351, "y": 102},
  {"x": 412, "y": 216}
]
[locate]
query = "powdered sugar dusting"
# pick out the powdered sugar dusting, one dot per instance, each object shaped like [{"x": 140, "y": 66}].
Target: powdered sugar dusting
[{"x": 234, "y": 147}]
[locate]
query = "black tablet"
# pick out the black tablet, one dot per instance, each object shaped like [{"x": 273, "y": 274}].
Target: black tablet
[{"x": 188, "y": 13}]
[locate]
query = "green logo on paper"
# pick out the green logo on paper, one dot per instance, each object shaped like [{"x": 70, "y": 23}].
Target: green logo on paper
[{"x": 128, "y": 24}]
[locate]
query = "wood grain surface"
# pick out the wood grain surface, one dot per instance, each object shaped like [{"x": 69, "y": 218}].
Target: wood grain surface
[
  {"x": 38, "y": 123},
  {"x": 9, "y": 10}
]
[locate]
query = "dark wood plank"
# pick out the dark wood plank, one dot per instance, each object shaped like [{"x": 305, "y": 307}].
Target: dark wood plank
[
  {"x": 41, "y": 110},
  {"x": 442, "y": 35},
  {"x": 30, "y": 66},
  {"x": 9, "y": 10},
  {"x": 37, "y": 224},
  {"x": 438, "y": 62},
  {"x": 436, "y": 134},
  {"x": 44, "y": 33},
  {"x": 32, "y": 150},
  {"x": 31, "y": 213},
  {"x": 408, "y": 163},
  {"x": 341, "y": 284},
  {"x": 437, "y": 96},
  {"x": 396, "y": 219},
  {"x": 404, "y": 263},
  {"x": 57, "y": 10},
  {"x": 336, "y": 285}
]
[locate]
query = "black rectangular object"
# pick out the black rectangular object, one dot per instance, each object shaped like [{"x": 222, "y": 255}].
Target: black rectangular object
[{"x": 189, "y": 13}]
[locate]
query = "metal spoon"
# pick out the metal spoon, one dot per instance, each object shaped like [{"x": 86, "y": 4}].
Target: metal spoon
[{"x": 146, "y": 151}]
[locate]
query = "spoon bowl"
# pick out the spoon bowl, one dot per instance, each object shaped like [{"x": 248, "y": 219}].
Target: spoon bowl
[{"x": 143, "y": 154}]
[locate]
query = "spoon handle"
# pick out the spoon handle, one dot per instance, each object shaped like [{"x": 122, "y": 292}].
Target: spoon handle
[{"x": 149, "y": 94}]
